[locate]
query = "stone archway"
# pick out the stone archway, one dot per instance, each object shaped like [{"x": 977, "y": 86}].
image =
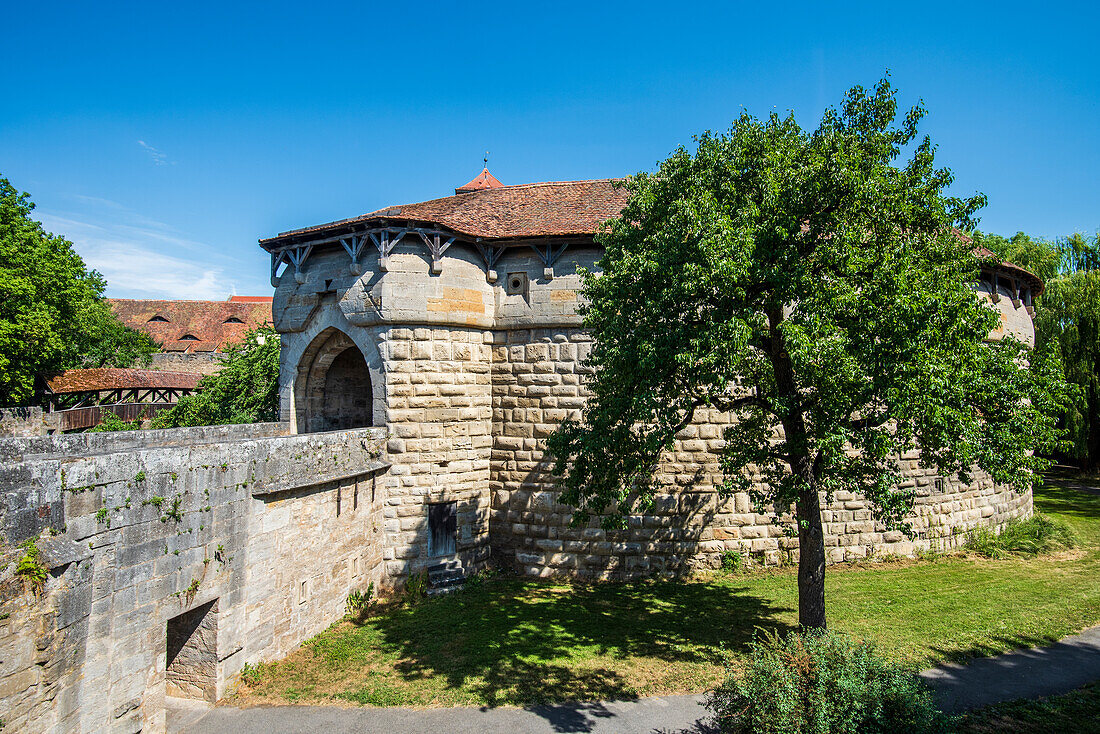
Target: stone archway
[{"x": 333, "y": 388}]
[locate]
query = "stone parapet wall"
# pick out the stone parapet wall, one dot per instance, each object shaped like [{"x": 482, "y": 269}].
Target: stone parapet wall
[
  {"x": 272, "y": 532},
  {"x": 537, "y": 382}
]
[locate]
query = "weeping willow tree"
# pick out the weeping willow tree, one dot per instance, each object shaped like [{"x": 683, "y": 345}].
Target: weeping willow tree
[{"x": 1068, "y": 316}]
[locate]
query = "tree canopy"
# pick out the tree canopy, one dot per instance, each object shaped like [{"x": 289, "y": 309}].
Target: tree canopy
[
  {"x": 814, "y": 286},
  {"x": 52, "y": 312},
  {"x": 244, "y": 390}
]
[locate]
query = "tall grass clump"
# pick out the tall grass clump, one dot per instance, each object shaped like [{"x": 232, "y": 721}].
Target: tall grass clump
[
  {"x": 817, "y": 682},
  {"x": 1036, "y": 535}
]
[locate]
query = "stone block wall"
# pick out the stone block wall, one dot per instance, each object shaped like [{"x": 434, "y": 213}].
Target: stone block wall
[
  {"x": 538, "y": 382},
  {"x": 271, "y": 531},
  {"x": 438, "y": 399}
]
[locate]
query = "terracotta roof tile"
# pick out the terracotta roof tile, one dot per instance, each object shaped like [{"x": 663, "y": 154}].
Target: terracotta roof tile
[
  {"x": 560, "y": 208},
  {"x": 217, "y": 323},
  {"x": 483, "y": 180},
  {"x": 114, "y": 378}
]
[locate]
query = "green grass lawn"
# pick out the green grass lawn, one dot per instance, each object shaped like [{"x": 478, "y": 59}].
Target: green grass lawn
[{"x": 512, "y": 641}]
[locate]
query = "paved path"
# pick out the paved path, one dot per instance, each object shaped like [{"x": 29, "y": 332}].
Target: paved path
[{"x": 1033, "y": 673}]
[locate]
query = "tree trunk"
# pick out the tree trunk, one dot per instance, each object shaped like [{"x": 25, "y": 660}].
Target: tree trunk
[
  {"x": 811, "y": 560},
  {"x": 811, "y": 537}
]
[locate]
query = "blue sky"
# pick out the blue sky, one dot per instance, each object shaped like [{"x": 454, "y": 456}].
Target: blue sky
[{"x": 164, "y": 139}]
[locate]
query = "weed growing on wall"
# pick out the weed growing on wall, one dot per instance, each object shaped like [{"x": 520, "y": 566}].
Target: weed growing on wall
[{"x": 31, "y": 569}]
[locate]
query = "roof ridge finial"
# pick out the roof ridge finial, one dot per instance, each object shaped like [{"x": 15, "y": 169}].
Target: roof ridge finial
[{"x": 485, "y": 160}]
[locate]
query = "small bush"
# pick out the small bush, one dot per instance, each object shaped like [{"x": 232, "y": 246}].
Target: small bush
[
  {"x": 111, "y": 422},
  {"x": 416, "y": 588},
  {"x": 1037, "y": 534},
  {"x": 359, "y": 601},
  {"x": 825, "y": 683},
  {"x": 251, "y": 674},
  {"x": 732, "y": 561}
]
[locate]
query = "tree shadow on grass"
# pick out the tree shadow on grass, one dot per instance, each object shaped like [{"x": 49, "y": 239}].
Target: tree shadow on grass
[
  {"x": 1067, "y": 496},
  {"x": 527, "y": 643}
]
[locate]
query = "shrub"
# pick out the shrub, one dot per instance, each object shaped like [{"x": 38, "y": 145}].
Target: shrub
[
  {"x": 732, "y": 561},
  {"x": 823, "y": 683},
  {"x": 416, "y": 588},
  {"x": 1037, "y": 534},
  {"x": 111, "y": 422},
  {"x": 359, "y": 601}
]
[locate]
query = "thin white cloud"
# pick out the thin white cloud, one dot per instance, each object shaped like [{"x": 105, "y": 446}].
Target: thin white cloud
[
  {"x": 138, "y": 262},
  {"x": 159, "y": 157},
  {"x": 136, "y": 270}
]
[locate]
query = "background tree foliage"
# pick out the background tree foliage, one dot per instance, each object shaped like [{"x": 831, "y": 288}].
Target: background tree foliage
[
  {"x": 52, "y": 312},
  {"x": 245, "y": 390},
  {"x": 808, "y": 285},
  {"x": 1067, "y": 318}
]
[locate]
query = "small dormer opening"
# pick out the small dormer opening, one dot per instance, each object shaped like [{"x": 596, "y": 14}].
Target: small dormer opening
[
  {"x": 189, "y": 338},
  {"x": 232, "y": 320},
  {"x": 158, "y": 319}
]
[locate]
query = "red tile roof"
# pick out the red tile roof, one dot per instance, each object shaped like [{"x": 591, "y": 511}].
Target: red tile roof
[
  {"x": 214, "y": 324},
  {"x": 559, "y": 208},
  {"x": 488, "y": 210},
  {"x": 114, "y": 378},
  {"x": 483, "y": 180}
]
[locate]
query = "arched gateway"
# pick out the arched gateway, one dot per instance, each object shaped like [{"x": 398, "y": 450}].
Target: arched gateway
[{"x": 333, "y": 389}]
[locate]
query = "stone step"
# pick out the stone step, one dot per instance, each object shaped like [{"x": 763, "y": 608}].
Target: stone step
[
  {"x": 442, "y": 576},
  {"x": 445, "y": 576}
]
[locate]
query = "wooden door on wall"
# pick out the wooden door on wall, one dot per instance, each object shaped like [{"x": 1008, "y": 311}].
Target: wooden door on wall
[{"x": 442, "y": 528}]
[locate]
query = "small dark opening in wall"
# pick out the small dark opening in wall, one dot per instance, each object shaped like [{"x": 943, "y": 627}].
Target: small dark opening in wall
[
  {"x": 516, "y": 284},
  {"x": 192, "y": 660},
  {"x": 938, "y": 485},
  {"x": 442, "y": 528}
]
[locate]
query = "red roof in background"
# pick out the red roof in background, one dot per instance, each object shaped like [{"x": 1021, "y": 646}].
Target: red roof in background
[
  {"x": 214, "y": 324},
  {"x": 115, "y": 378},
  {"x": 558, "y": 208},
  {"x": 483, "y": 180}
]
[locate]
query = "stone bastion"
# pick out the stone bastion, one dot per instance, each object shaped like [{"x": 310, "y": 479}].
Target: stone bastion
[{"x": 427, "y": 353}]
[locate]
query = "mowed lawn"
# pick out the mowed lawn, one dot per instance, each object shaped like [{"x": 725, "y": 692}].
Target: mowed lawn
[{"x": 511, "y": 641}]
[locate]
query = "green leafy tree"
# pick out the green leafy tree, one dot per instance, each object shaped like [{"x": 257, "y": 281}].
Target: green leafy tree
[
  {"x": 814, "y": 289},
  {"x": 245, "y": 390},
  {"x": 52, "y": 312},
  {"x": 1067, "y": 318}
]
